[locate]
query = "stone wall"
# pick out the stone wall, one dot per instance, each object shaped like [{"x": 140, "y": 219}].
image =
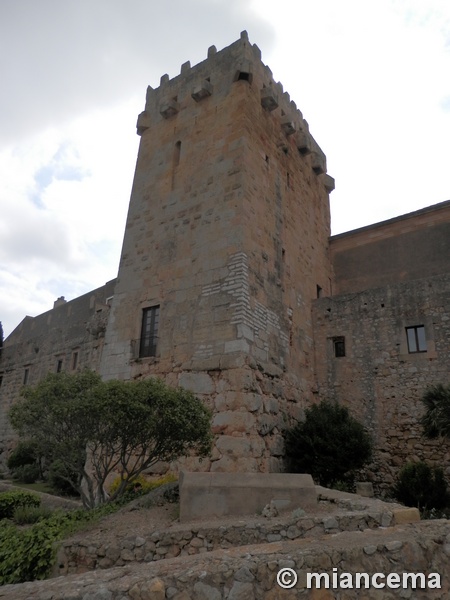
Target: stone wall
[
  {"x": 227, "y": 232},
  {"x": 346, "y": 513},
  {"x": 409, "y": 247},
  {"x": 69, "y": 337},
  {"x": 249, "y": 572},
  {"x": 378, "y": 379}
]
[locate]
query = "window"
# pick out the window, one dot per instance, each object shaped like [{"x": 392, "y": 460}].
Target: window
[
  {"x": 26, "y": 376},
  {"x": 74, "y": 361},
  {"x": 339, "y": 346},
  {"x": 1, "y": 380},
  {"x": 149, "y": 332},
  {"x": 417, "y": 341},
  {"x": 59, "y": 365}
]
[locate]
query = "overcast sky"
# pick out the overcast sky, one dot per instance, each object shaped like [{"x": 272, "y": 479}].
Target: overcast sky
[{"x": 371, "y": 78}]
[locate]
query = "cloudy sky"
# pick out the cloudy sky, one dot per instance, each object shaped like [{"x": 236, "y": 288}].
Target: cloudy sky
[{"x": 371, "y": 78}]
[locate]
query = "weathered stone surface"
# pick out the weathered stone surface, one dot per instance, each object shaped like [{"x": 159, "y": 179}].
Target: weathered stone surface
[
  {"x": 217, "y": 494},
  {"x": 384, "y": 391},
  {"x": 250, "y": 572},
  {"x": 406, "y": 515},
  {"x": 198, "y": 383},
  {"x": 206, "y": 592}
]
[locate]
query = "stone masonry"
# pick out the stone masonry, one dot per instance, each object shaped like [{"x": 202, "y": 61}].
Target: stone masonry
[
  {"x": 69, "y": 337},
  {"x": 232, "y": 252},
  {"x": 378, "y": 378},
  {"x": 227, "y": 244}
]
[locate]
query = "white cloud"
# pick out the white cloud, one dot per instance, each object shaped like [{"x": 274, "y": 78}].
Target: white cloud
[{"x": 370, "y": 78}]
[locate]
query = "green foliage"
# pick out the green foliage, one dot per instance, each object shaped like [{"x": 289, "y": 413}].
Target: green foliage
[
  {"x": 26, "y": 555},
  {"x": 121, "y": 426},
  {"x": 27, "y": 473},
  {"x": 436, "y": 420},
  {"x": 144, "y": 485},
  {"x": 422, "y": 486},
  {"x": 26, "y": 515},
  {"x": 59, "y": 477},
  {"x": 9, "y": 501},
  {"x": 29, "y": 554},
  {"x": 25, "y": 453},
  {"x": 330, "y": 444}
]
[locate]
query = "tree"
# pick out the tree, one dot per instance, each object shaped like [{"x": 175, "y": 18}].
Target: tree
[
  {"x": 94, "y": 428},
  {"x": 330, "y": 444},
  {"x": 436, "y": 420}
]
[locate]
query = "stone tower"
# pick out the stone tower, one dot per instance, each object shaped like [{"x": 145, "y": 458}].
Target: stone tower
[{"x": 225, "y": 247}]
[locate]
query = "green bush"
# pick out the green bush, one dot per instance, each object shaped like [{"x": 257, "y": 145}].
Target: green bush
[
  {"x": 422, "y": 486},
  {"x": 9, "y": 501},
  {"x": 27, "y": 473},
  {"x": 25, "y": 453},
  {"x": 29, "y": 554},
  {"x": 330, "y": 444},
  {"x": 26, "y": 555}
]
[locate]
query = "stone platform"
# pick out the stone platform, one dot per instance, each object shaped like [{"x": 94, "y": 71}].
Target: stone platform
[{"x": 205, "y": 495}]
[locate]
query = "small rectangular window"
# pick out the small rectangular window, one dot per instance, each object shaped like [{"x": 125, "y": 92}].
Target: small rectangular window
[
  {"x": 74, "y": 361},
  {"x": 26, "y": 376},
  {"x": 59, "y": 365},
  {"x": 417, "y": 341},
  {"x": 149, "y": 332},
  {"x": 339, "y": 346},
  {"x": 1, "y": 380}
]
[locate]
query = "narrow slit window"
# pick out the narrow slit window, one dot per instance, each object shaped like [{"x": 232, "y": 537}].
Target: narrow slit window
[
  {"x": 417, "y": 341},
  {"x": 26, "y": 376},
  {"x": 177, "y": 154},
  {"x": 149, "y": 332},
  {"x": 74, "y": 361},
  {"x": 59, "y": 366}
]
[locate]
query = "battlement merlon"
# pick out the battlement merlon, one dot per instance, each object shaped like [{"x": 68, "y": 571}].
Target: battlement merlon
[{"x": 215, "y": 76}]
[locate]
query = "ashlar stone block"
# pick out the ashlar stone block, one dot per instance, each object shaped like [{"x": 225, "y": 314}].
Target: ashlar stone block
[{"x": 221, "y": 494}]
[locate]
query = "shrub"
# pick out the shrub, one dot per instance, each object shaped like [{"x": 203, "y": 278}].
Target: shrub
[
  {"x": 25, "y": 453},
  {"x": 9, "y": 501},
  {"x": 29, "y": 554},
  {"x": 422, "y": 486},
  {"x": 144, "y": 485},
  {"x": 26, "y": 515},
  {"x": 330, "y": 444},
  {"x": 27, "y": 473}
]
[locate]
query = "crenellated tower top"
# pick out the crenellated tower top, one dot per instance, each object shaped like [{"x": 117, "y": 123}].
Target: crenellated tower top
[{"x": 241, "y": 61}]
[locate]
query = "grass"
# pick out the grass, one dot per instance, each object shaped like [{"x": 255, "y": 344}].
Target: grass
[{"x": 36, "y": 487}]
